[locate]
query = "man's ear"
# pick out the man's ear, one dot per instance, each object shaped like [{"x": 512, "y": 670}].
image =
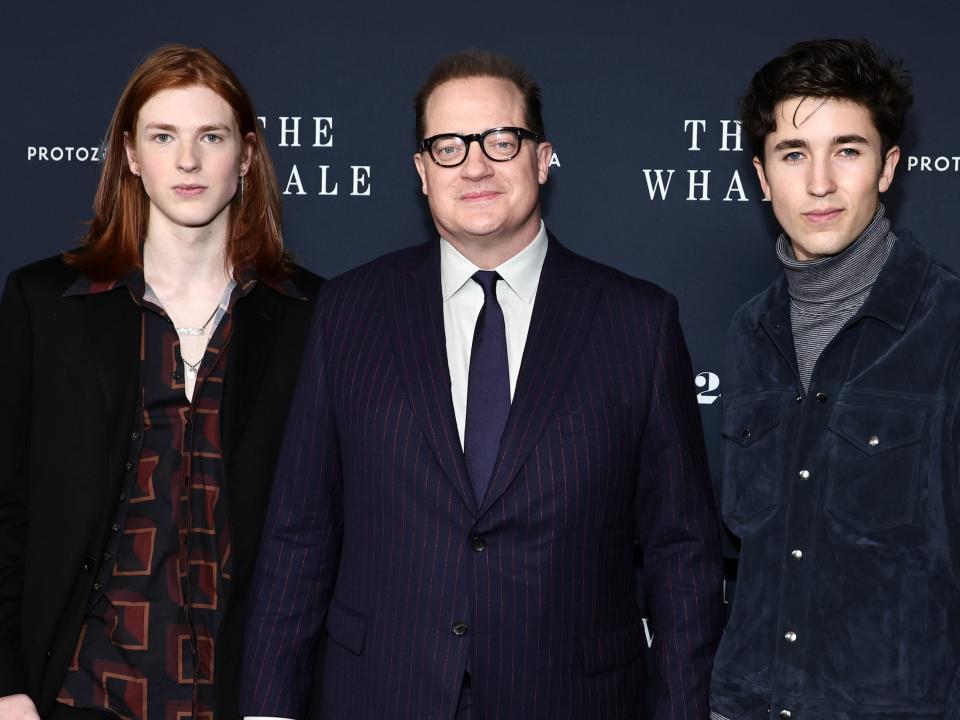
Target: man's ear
[
  {"x": 131, "y": 151},
  {"x": 422, "y": 171},
  {"x": 889, "y": 168},
  {"x": 762, "y": 177},
  {"x": 544, "y": 156}
]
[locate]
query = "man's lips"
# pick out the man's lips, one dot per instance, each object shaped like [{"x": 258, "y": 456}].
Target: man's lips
[
  {"x": 189, "y": 190},
  {"x": 822, "y": 216},
  {"x": 479, "y": 195}
]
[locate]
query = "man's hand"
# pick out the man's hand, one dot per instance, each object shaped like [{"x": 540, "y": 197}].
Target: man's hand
[{"x": 17, "y": 707}]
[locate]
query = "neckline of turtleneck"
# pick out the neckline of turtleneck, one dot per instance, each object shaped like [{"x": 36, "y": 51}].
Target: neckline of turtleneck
[{"x": 837, "y": 277}]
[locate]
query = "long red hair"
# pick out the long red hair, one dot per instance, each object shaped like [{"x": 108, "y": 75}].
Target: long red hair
[{"x": 111, "y": 246}]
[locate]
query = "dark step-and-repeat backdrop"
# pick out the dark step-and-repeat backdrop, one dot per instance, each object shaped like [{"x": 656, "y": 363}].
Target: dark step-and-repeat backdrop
[{"x": 650, "y": 174}]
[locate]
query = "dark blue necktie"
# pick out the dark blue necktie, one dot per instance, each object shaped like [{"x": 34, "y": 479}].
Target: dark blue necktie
[{"x": 488, "y": 387}]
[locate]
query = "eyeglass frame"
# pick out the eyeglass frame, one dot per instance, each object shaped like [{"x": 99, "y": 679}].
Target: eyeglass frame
[{"x": 522, "y": 134}]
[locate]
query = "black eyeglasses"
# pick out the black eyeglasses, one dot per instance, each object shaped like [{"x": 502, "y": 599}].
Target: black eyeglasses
[{"x": 498, "y": 144}]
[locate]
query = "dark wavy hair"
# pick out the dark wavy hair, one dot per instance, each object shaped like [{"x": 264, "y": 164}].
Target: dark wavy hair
[
  {"x": 475, "y": 63},
  {"x": 840, "y": 69}
]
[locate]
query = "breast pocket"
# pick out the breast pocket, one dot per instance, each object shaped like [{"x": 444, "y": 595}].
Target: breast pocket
[
  {"x": 752, "y": 462},
  {"x": 873, "y": 466}
]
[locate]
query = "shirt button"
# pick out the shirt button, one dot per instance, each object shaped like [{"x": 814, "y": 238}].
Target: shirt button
[
  {"x": 821, "y": 398},
  {"x": 796, "y": 554},
  {"x": 115, "y": 527},
  {"x": 873, "y": 441},
  {"x": 804, "y": 474},
  {"x": 785, "y": 715},
  {"x": 790, "y": 636},
  {"x": 478, "y": 543},
  {"x": 459, "y": 629}
]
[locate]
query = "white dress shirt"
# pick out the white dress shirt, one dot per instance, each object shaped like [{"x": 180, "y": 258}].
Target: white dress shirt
[{"x": 463, "y": 300}]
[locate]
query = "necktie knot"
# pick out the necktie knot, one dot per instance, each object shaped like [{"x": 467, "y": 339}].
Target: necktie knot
[{"x": 486, "y": 279}]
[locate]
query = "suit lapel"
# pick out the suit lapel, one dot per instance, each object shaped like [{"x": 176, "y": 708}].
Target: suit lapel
[
  {"x": 113, "y": 323},
  {"x": 254, "y": 333},
  {"x": 563, "y": 314},
  {"x": 415, "y": 318}
]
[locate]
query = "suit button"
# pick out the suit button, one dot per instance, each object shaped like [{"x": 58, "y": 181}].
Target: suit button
[
  {"x": 115, "y": 527},
  {"x": 790, "y": 636},
  {"x": 48, "y": 655},
  {"x": 478, "y": 543},
  {"x": 97, "y": 586},
  {"x": 135, "y": 435},
  {"x": 128, "y": 467},
  {"x": 785, "y": 715},
  {"x": 89, "y": 564},
  {"x": 821, "y": 398},
  {"x": 459, "y": 629},
  {"x": 747, "y": 433}
]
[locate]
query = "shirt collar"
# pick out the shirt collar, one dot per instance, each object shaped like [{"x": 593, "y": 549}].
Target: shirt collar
[
  {"x": 521, "y": 273},
  {"x": 246, "y": 279}
]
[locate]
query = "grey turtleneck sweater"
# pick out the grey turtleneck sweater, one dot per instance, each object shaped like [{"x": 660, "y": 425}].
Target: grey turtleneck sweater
[{"x": 827, "y": 292}]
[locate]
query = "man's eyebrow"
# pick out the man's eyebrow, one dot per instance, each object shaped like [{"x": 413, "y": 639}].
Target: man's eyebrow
[
  {"x": 789, "y": 144},
  {"x": 851, "y": 138},
  {"x": 166, "y": 127}
]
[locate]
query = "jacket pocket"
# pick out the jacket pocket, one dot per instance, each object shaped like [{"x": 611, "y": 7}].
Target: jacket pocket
[
  {"x": 873, "y": 466},
  {"x": 346, "y": 627},
  {"x": 606, "y": 651},
  {"x": 752, "y": 461}
]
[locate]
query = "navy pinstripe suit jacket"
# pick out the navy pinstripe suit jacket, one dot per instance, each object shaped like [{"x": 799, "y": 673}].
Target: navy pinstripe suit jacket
[{"x": 373, "y": 531}]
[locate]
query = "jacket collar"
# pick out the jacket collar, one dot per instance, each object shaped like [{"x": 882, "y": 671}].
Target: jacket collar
[
  {"x": 892, "y": 299},
  {"x": 563, "y": 315}
]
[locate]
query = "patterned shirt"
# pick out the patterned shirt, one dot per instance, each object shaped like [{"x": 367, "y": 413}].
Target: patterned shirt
[{"x": 147, "y": 647}]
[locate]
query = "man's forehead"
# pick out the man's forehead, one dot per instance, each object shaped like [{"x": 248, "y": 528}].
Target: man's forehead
[
  {"x": 802, "y": 115},
  {"x": 466, "y": 96}
]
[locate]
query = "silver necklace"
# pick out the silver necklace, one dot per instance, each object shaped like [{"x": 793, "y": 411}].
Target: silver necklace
[
  {"x": 186, "y": 330},
  {"x": 192, "y": 367}
]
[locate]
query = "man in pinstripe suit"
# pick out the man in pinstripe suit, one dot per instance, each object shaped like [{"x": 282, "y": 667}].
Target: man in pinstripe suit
[{"x": 484, "y": 425}]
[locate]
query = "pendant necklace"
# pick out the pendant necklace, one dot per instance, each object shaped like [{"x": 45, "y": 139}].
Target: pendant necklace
[{"x": 191, "y": 367}]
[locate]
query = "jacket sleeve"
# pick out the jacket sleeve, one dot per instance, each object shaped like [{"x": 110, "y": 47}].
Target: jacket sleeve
[
  {"x": 678, "y": 531},
  {"x": 299, "y": 552},
  {"x": 15, "y": 367}
]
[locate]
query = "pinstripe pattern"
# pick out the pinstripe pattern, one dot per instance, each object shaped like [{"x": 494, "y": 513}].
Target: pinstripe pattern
[{"x": 369, "y": 528}]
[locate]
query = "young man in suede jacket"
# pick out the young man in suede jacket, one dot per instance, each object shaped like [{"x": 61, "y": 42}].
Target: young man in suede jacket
[{"x": 840, "y": 419}]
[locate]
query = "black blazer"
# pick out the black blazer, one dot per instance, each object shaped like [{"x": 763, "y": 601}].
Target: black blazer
[{"x": 70, "y": 367}]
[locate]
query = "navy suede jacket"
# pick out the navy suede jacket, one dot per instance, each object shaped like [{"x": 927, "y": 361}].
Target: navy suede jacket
[{"x": 847, "y": 503}]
